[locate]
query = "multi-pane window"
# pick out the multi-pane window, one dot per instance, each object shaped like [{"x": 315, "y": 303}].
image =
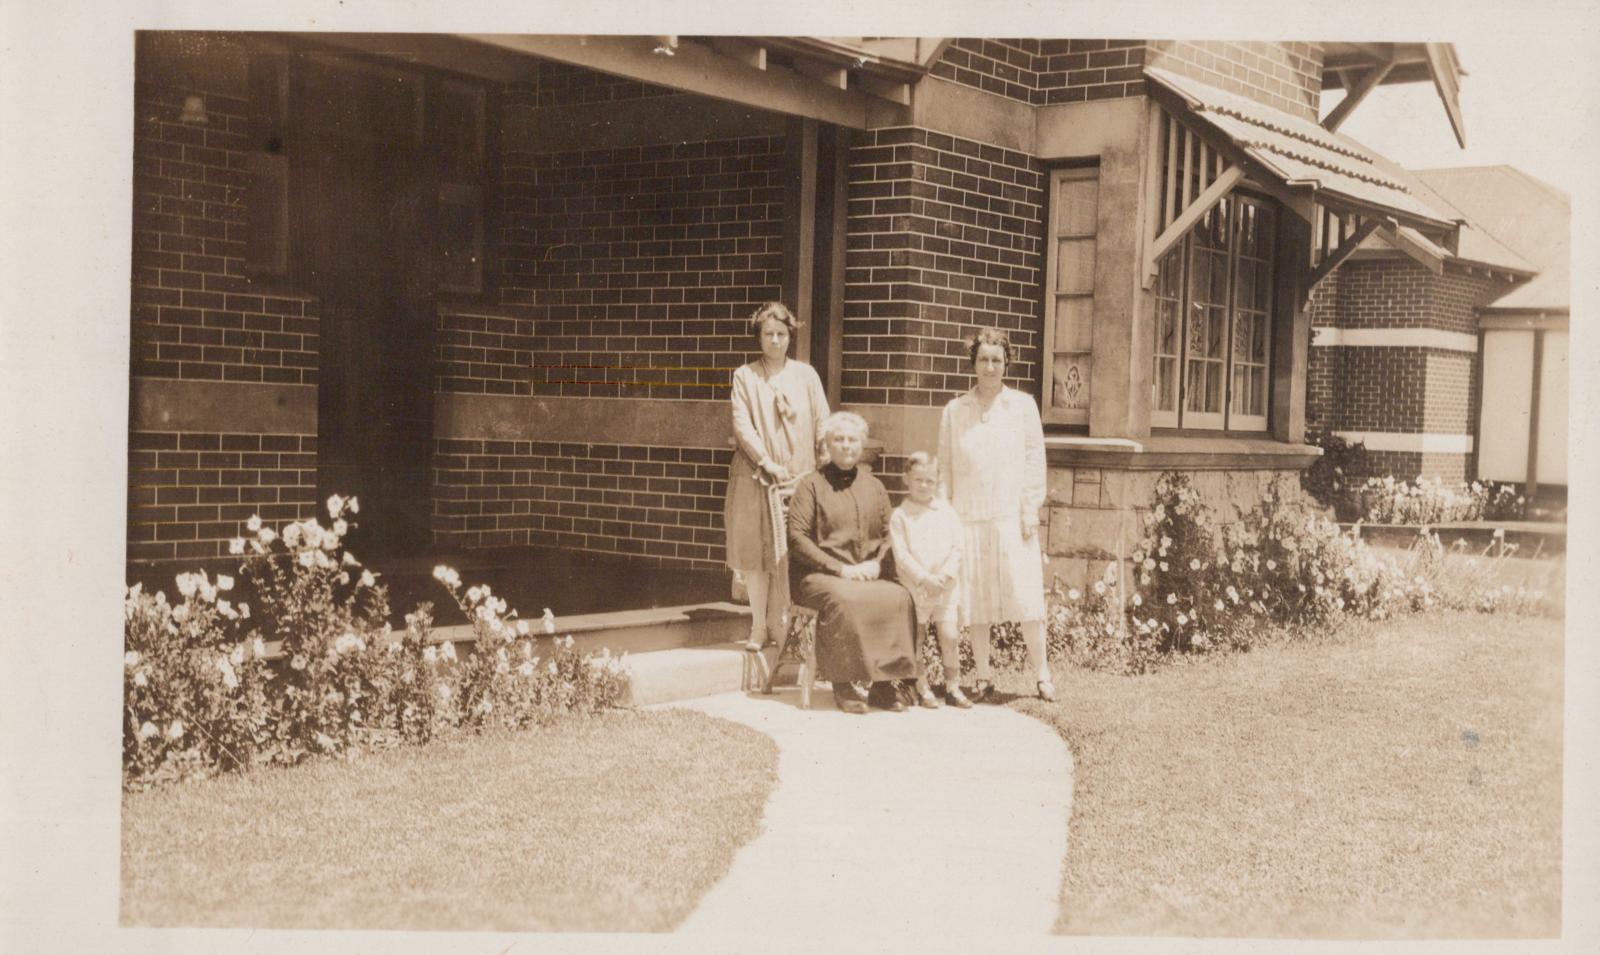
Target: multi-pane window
[
  {"x": 1213, "y": 319},
  {"x": 1069, "y": 297}
]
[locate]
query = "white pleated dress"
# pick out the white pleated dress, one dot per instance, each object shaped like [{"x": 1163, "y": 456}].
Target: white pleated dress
[{"x": 992, "y": 471}]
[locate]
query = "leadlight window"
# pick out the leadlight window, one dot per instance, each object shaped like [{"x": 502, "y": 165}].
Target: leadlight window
[
  {"x": 1069, "y": 297},
  {"x": 1213, "y": 318}
]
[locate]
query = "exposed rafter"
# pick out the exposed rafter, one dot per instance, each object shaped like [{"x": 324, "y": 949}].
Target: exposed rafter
[{"x": 1368, "y": 82}]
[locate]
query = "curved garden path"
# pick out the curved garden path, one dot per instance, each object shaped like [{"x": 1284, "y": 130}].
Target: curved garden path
[{"x": 944, "y": 823}]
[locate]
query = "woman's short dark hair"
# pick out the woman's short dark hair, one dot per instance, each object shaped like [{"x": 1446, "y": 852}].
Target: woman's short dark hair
[
  {"x": 769, "y": 311},
  {"x": 989, "y": 336}
]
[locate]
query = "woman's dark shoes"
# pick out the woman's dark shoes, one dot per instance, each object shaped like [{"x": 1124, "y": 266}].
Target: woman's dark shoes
[
  {"x": 981, "y": 690},
  {"x": 956, "y": 698},
  {"x": 844, "y": 697},
  {"x": 884, "y": 696}
]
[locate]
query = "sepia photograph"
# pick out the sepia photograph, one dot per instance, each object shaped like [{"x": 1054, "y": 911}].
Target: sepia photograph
[{"x": 747, "y": 490}]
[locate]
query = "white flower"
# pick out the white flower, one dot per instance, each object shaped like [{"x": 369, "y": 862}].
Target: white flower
[
  {"x": 444, "y": 692},
  {"x": 187, "y": 584},
  {"x": 267, "y": 535},
  {"x": 298, "y": 661},
  {"x": 1183, "y": 619},
  {"x": 335, "y": 505},
  {"x": 549, "y": 621},
  {"x": 236, "y": 546},
  {"x": 1099, "y": 586},
  {"x": 447, "y": 650},
  {"x": 343, "y": 578},
  {"x": 148, "y": 729},
  {"x": 1166, "y": 542},
  {"x": 131, "y": 658},
  {"x": 1163, "y": 567},
  {"x": 226, "y": 609},
  {"x": 307, "y": 558},
  {"x": 522, "y": 627},
  {"x": 229, "y": 678},
  {"x": 348, "y": 643},
  {"x": 224, "y": 582},
  {"x": 353, "y": 506},
  {"x": 349, "y": 560},
  {"x": 1218, "y": 605},
  {"x": 1073, "y": 594},
  {"x": 175, "y": 731},
  {"x": 552, "y": 668},
  {"x": 254, "y": 523},
  {"x": 1149, "y": 564},
  {"x": 1272, "y": 564},
  {"x": 1172, "y": 599},
  {"x": 244, "y": 611},
  {"x": 1233, "y": 595},
  {"x": 1194, "y": 563},
  {"x": 526, "y": 669},
  {"x": 340, "y": 528},
  {"x": 430, "y": 655},
  {"x": 291, "y": 535},
  {"x": 1138, "y": 600},
  {"x": 139, "y": 679},
  {"x": 368, "y": 579},
  {"x": 474, "y": 594}
]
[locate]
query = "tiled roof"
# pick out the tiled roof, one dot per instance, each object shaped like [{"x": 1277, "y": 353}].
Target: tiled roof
[
  {"x": 1530, "y": 217},
  {"x": 1301, "y": 153}
]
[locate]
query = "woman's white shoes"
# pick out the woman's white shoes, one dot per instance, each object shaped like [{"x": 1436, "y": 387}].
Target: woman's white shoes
[{"x": 1047, "y": 691}]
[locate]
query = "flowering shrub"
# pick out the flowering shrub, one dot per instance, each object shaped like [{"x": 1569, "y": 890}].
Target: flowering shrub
[
  {"x": 1327, "y": 479},
  {"x": 1096, "y": 628},
  {"x": 194, "y": 681},
  {"x": 1431, "y": 501},
  {"x": 200, "y": 697},
  {"x": 1452, "y": 578},
  {"x": 504, "y": 682}
]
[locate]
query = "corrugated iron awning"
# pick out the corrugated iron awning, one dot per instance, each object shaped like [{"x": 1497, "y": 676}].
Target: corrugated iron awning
[{"x": 1326, "y": 167}]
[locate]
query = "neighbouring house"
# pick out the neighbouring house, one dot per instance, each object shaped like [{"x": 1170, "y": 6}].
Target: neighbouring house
[
  {"x": 1451, "y": 362},
  {"x": 496, "y": 284}
]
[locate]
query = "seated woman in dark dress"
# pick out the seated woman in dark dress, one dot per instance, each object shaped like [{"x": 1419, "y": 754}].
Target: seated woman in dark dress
[{"x": 839, "y": 543}]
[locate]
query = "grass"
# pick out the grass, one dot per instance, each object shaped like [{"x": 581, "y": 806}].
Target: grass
[
  {"x": 1397, "y": 780},
  {"x": 619, "y": 823}
]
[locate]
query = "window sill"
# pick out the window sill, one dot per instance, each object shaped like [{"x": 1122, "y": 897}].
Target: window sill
[{"x": 1163, "y": 452}]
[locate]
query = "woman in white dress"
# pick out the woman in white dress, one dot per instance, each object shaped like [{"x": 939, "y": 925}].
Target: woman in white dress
[
  {"x": 778, "y": 407},
  {"x": 992, "y": 470}
]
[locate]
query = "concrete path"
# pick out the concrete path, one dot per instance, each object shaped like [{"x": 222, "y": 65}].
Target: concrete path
[{"x": 946, "y": 824}]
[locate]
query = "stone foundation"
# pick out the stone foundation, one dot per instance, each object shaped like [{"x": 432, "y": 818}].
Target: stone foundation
[{"x": 1094, "y": 515}]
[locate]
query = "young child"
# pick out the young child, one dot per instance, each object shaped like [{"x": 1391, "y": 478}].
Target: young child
[{"x": 926, "y": 536}]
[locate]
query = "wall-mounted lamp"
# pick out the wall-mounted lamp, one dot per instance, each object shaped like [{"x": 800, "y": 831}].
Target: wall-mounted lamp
[
  {"x": 666, "y": 46},
  {"x": 194, "y": 105}
]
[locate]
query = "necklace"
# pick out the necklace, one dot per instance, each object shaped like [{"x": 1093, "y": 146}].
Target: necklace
[{"x": 983, "y": 413}]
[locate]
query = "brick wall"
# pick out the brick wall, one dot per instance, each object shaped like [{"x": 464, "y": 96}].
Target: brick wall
[
  {"x": 661, "y": 504},
  {"x": 190, "y": 492},
  {"x": 945, "y": 237},
  {"x": 196, "y": 317},
  {"x": 638, "y": 267},
  {"x": 1287, "y": 76}
]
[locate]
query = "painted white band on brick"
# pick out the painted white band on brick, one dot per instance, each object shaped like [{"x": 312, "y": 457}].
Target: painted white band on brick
[
  {"x": 1394, "y": 338},
  {"x": 1423, "y": 443}
]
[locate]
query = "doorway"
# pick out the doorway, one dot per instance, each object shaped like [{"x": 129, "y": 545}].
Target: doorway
[{"x": 364, "y": 208}]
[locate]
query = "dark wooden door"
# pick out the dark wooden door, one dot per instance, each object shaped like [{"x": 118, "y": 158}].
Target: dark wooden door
[{"x": 364, "y": 195}]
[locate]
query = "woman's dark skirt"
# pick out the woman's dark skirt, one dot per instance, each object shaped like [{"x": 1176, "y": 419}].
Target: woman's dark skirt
[{"x": 865, "y": 628}]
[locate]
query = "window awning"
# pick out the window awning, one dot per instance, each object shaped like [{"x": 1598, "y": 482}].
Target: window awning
[{"x": 1345, "y": 190}]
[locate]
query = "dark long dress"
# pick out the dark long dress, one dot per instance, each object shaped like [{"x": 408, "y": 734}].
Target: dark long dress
[{"x": 865, "y": 628}]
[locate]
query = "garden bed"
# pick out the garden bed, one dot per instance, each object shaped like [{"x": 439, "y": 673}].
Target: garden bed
[{"x": 1530, "y": 538}]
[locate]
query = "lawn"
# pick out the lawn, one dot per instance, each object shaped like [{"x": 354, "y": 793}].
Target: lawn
[
  {"x": 1395, "y": 780},
  {"x": 619, "y": 823}
]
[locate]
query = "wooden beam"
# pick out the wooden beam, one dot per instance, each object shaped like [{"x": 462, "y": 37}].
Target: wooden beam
[
  {"x": 1353, "y": 97},
  {"x": 884, "y": 89},
  {"x": 744, "y": 51},
  {"x": 1444, "y": 70},
  {"x": 1332, "y": 261},
  {"x": 1395, "y": 236},
  {"x": 694, "y": 69},
  {"x": 1155, "y": 185},
  {"x": 800, "y": 224},
  {"x": 1531, "y": 482},
  {"x": 828, "y": 74},
  {"x": 1191, "y": 214}
]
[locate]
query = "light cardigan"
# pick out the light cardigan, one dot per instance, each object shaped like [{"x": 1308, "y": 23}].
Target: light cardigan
[
  {"x": 995, "y": 469},
  {"x": 926, "y": 540}
]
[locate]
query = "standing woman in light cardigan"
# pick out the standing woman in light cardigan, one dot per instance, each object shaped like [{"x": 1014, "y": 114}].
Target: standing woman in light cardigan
[
  {"x": 778, "y": 407},
  {"x": 992, "y": 470}
]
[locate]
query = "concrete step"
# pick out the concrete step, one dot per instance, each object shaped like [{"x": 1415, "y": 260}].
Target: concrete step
[
  {"x": 687, "y": 673},
  {"x": 641, "y": 631}
]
